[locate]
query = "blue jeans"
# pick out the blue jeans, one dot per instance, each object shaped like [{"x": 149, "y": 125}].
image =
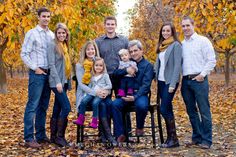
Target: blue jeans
[
  {"x": 195, "y": 95},
  {"x": 166, "y": 99},
  {"x": 36, "y": 107},
  {"x": 94, "y": 100},
  {"x": 118, "y": 105},
  {"x": 105, "y": 108},
  {"x": 61, "y": 107}
]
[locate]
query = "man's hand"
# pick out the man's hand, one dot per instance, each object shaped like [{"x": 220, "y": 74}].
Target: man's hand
[
  {"x": 128, "y": 98},
  {"x": 199, "y": 78},
  {"x": 131, "y": 71},
  {"x": 59, "y": 87},
  {"x": 40, "y": 71}
]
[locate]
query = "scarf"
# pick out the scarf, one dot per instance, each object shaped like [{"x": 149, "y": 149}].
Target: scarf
[
  {"x": 166, "y": 43},
  {"x": 68, "y": 66},
  {"x": 88, "y": 64}
]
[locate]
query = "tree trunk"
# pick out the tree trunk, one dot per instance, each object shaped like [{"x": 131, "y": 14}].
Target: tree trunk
[
  {"x": 11, "y": 71},
  {"x": 3, "y": 78},
  {"x": 227, "y": 76}
]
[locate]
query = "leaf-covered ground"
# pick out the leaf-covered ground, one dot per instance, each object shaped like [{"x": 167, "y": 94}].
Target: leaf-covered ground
[{"x": 223, "y": 105}]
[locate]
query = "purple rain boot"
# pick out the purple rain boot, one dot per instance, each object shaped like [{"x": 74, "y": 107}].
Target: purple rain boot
[
  {"x": 121, "y": 93},
  {"x": 80, "y": 120},
  {"x": 94, "y": 123},
  {"x": 130, "y": 91}
]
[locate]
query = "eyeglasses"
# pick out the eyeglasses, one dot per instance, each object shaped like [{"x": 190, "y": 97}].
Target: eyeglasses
[{"x": 135, "y": 50}]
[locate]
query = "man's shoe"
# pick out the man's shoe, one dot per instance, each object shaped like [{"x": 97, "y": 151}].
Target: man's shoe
[
  {"x": 204, "y": 146},
  {"x": 193, "y": 143},
  {"x": 121, "y": 138},
  {"x": 44, "y": 140},
  {"x": 32, "y": 144},
  {"x": 139, "y": 132}
]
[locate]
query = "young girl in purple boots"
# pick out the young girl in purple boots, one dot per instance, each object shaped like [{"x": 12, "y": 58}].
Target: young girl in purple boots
[{"x": 100, "y": 82}]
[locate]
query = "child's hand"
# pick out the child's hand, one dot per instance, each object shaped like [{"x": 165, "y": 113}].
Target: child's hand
[
  {"x": 101, "y": 93},
  {"x": 131, "y": 71}
]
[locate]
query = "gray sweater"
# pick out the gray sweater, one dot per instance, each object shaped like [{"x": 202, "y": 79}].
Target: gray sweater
[
  {"x": 57, "y": 67},
  {"x": 83, "y": 89},
  {"x": 173, "y": 62}
]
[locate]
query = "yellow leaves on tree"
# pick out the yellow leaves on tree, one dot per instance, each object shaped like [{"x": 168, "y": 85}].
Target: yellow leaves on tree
[
  {"x": 83, "y": 17},
  {"x": 215, "y": 19}
]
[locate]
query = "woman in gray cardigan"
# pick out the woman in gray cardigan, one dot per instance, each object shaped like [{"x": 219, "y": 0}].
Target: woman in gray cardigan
[
  {"x": 90, "y": 51},
  {"x": 59, "y": 80},
  {"x": 168, "y": 68}
]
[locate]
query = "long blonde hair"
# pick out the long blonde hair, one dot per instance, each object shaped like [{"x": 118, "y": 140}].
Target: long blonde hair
[
  {"x": 104, "y": 65},
  {"x": 83, "y": 51},
  {"x": 59, "y": 47}
]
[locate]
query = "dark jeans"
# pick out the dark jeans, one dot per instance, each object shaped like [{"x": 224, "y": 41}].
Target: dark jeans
[
  {"x": 118, "y": 106},
  {"x": 94, "y": 100},
  {"x": 195, "y": 95},
  {"x": 61, "y": 106},
  {"x": 36, "y": 107},
  {"x": 115, "y": 83},
  {"x": 105, "y": 108},
  {"x": 126, "y": 83},
  {"x": 166, "y": 99}
]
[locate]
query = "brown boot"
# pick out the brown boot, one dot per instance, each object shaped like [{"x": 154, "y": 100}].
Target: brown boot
[
  {"x": 61, "y": 128},
  {"x": 167, "y": 131},
  {"x": 172, "y": 141},
  {"x": 107, "y": 132},
  {"x": 53, "y": 129}
]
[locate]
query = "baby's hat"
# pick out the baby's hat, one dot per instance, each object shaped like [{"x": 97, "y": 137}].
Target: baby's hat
[{"x": 123, "y": 51}]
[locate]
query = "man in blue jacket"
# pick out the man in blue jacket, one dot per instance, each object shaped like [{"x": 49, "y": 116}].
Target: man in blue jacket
[{"x": 143, "y": 80}]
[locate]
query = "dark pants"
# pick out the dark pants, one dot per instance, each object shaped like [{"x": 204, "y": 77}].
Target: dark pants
[
  {"x": 36, "y": 107},
  {"x": 61, "y": 106},
  {"x": 118, "y": 106},
  {"x": 126, "y": 83},
  {"x": 166, "y": 99},
  {"x": 195, "y": 95}
]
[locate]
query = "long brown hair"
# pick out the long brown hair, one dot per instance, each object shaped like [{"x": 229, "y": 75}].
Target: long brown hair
[
  {"x": 161, "y": 38},
  {"x": 59, "y": 48}
]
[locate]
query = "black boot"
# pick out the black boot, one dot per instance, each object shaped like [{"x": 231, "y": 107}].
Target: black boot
[
  {"x": 61, "y": 128},
  {"x": 172, "y": 140},
  {"x": 53, "y": 130},
  {"x": 107, "y": 132},
  {"x": 102, "y": 137}
]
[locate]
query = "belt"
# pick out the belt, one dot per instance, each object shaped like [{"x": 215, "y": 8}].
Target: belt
[
  {"x": 190, "y": 77},
  {"x": 44, "y": 70}
]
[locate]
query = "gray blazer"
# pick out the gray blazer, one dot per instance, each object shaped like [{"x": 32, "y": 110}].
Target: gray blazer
[
  {"x": 57, "y": 67},
  {"x": 173, "y": 63}
]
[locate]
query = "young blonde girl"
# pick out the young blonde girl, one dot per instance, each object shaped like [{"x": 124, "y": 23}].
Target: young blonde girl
[{"x": 99, "y": 82}]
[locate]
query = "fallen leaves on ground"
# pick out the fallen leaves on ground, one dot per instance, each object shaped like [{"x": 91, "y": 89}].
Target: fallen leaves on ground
[{"x": 223, "y": 106}]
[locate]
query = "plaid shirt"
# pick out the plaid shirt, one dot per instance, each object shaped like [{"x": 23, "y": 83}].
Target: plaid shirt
[
  {"x": 109, "y": 50},
  {"x": 34, "y": 50}
]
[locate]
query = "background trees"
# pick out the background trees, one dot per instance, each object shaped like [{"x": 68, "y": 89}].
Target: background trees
[
  {"x": 84, "y": 18},
  {"x": 215, "y": 19}
]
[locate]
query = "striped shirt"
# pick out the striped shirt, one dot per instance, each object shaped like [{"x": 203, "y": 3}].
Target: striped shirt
[
  {"x": 34, "y": 50},
  {"x": 198, "y": 55}
]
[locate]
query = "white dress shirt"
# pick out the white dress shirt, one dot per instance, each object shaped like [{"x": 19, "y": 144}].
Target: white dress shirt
[{"x": 198, "y": 55}]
